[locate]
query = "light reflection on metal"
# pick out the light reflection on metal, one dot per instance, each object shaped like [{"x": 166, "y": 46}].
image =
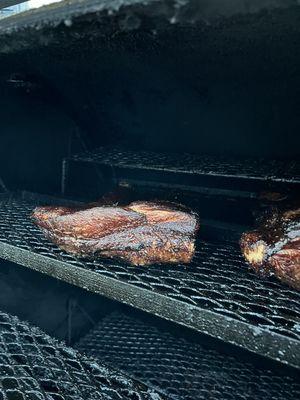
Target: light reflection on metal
[{"x": 24, "y": 6}]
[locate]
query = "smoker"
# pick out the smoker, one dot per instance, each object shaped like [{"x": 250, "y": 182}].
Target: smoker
[{"x": 194, "y": 102}]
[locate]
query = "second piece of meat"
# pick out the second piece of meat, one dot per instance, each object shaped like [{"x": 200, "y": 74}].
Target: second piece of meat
[
  {"x": 274, "y": 247},
  {"x": 142, "y": 233}
]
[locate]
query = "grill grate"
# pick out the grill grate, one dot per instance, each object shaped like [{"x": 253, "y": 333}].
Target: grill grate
[
  {"x": 33, "y": 366},
  {"x": 181, "y": 369},
  {"x": 216, "y": 294},
  {"x": 255, "y": 169}
]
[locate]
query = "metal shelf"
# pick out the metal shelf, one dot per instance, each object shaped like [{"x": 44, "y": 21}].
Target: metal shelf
[
  {"x": 33, "y": 366},
  {"x": 182, "y": 369},
  {"x": 221, "y": 172},
  {"x": 216, "y": 294}
]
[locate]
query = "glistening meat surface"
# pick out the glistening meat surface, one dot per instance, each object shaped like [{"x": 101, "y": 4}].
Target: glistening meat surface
[
  {"x": 141, "y": 233},
  {"x": 274, "y": 247}
]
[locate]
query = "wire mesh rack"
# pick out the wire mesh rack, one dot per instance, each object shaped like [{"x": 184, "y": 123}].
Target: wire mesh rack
[
  {"x": 234, "y": 169},
  {"x": 216, "y": 294},
  {"x": 182, "y": 369},
  {"x": 33, "y": 366}
]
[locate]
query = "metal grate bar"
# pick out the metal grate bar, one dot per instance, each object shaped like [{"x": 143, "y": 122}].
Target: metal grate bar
[
  {"x": 216, "y": 294},
  {"x": 33, "y": 366},
  {"x": 179, "y": 368}
]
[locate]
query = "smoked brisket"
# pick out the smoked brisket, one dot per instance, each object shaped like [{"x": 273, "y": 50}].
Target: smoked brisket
[
  {"x": 274, "y": 248},
  {"x": 141, "y": 233}
]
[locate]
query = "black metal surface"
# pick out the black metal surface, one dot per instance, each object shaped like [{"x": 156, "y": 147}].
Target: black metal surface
[
  {"x": 216, "y": 294},
  {"x": 33, "y": 366},
  {"x": 196, "y": 170},
  {"x": 212, "y": 11},
  {"x": 180, "y": 368}
]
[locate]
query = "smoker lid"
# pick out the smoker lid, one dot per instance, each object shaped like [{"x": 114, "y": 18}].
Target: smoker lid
[
  {"x": 37, "y": 27},
  {"x": 175, "y": 11}
]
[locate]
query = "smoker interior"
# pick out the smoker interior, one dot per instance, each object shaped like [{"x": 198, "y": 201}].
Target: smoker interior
[
  {"x": 165, "y": 100},
  {"x": 122, "y": 347}
]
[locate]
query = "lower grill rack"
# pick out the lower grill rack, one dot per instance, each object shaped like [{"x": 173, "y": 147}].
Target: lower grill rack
[
  {"x": 182, "y": 369},
  {"x": 216, "y": 294},
  {"x": 33, "y": 366}
]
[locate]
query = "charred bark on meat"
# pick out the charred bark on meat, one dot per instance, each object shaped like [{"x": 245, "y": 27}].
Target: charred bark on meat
[
  {"x": 141, "y": 233},
  {"x": 274, "y": 247}
]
